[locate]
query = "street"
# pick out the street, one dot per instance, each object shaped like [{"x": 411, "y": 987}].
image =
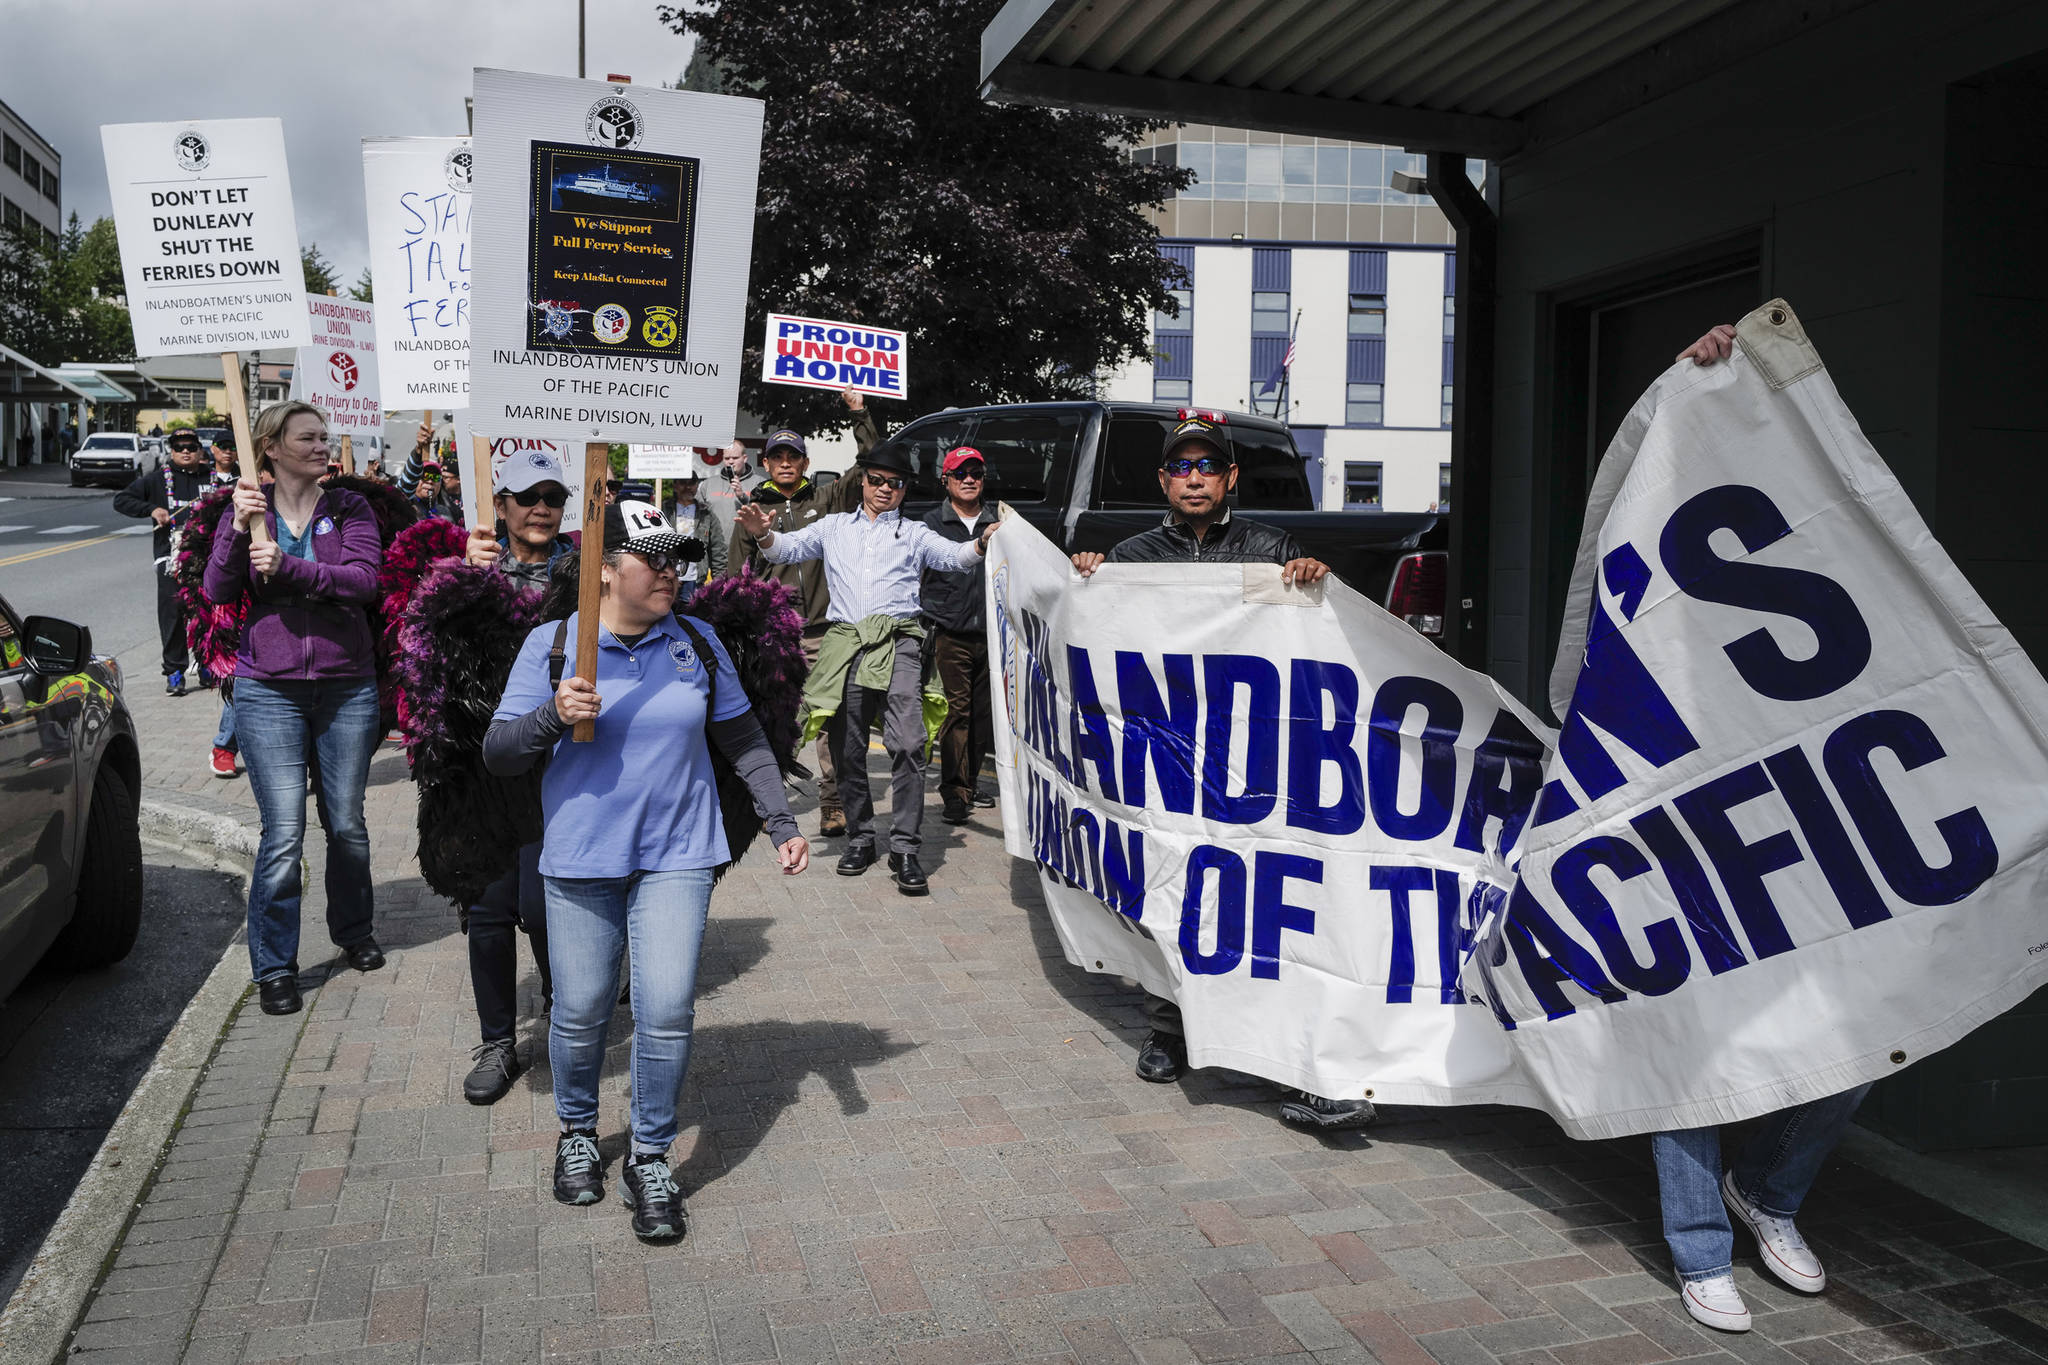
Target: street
[{"x": 73, "y": 1045}]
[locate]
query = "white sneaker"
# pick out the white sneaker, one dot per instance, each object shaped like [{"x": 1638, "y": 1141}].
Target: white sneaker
[
  {"x": 1785, "y": 1252},
  {"x": 1717, "y": 1303}
]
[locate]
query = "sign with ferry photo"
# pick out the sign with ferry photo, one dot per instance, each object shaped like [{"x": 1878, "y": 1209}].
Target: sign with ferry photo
[{"x": 612, "y": 239}]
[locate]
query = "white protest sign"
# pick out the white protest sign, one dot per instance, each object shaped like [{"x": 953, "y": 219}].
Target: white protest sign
[
  {"x": 613, "y": 234},
  {"x": 505, "y": 448},
  {"x": 209, "y": 244},
  {"x": 1794, "y": 835},
  {"x": 337, "y": 373},
  {"x": 1790, "y": 838},
  {"x": 818, "y": 354},
  {"x": 672, "y": 462},
  {"x": 417, "y": 192},
  {"x": 1238, "y": 804}
]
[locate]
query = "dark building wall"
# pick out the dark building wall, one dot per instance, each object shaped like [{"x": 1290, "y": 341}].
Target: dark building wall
[{"x": 1828, "y": 158}]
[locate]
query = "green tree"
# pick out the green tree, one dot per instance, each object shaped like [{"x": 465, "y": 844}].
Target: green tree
[
  {"x": 64, "y": 302},
  {"x": 1010, "y": 242},
  {"x": 360, "y": 290},
  {"x": 320, "y": 276}
]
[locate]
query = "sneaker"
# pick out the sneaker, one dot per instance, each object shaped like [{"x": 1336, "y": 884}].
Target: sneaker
[
  {"x": 1304, "y": 1110},
  {"x": 831, "y": 824},
  {"x": 983, "y": 801},
  {"x": 579, "y": 1170},
  {"x": 957, "y": 811},
  {"x": 223, "y": 764},
  {"x": 497, "y": 1066},
  {"x": 174, "y": 684},
  {"x": 1715, "y": 1303},
  {"x": 1784, "y": 1251},
  {"x": 649, "y": 1188},
  {"x": 1161, "y": 1057}
]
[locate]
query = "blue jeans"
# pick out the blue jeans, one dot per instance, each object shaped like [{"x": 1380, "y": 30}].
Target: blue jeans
[
  {"x": 1774, "y": 1170},
  {"x": 590, "y": 919},
  {"x": 280, "y": 723},
  {"x": 224, "y": 738}
]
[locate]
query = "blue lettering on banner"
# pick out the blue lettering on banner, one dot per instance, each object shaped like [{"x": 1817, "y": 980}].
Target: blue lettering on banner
[
  {"x": 1312, "y": 747},
  {"x": 1223, "y": 675},
  {"x": 1229, "y": 949},
  {"x": 1271, "y": 914},
  {"x": 1615, "y": 693},
  {"x": 1973, "y": 855},
  {"x": 1161, "y": 729},
  {"x": 1443, "y": 718}
]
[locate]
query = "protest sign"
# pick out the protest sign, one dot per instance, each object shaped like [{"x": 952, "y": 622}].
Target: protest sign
[
  {"x": 337, "y": 373},
  {"x": 209, "y": 244},
  {"x": 417, "y": 192},
  {"x": 672, "y": 462},
  {"x": 1788, "y": 839},
  {"x": 1793, "y": 837},
  {"x": 503, "y": 448},
  {"x": 613, "y": 235},
  {"x": 818, "y": 354}
]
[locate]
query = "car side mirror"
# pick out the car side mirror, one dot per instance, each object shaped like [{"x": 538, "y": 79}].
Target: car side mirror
[{"x": 54, "y": 648}]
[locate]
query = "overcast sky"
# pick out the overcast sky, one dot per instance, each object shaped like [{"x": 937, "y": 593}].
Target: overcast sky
[{"x": 335, "y": 73}]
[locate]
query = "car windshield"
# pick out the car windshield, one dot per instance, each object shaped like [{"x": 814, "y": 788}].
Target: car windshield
[{"x": 109, "y": 443}]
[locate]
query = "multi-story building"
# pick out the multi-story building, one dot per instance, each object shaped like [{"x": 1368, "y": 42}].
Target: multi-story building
[
  {"x": 30, "y": 177},
  {"x": 1302, "y": 242}
]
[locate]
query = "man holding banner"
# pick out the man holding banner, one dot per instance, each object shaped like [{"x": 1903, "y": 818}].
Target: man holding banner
[{"x": 870, "y": 662}]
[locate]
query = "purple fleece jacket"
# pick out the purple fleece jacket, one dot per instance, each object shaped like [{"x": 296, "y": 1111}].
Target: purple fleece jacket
[{"x": 310, "y": 620}]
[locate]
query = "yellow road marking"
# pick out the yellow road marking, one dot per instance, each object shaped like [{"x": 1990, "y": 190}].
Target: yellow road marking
[{"x": 53, "y": 550}]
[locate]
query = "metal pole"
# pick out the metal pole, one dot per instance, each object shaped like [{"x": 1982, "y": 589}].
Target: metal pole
[
  {"x": 579, "y": 39},
  {"x": 1466, "y": 608}
]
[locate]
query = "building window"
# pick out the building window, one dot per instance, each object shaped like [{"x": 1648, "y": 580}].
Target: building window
[
  {"x": 1173, "y": 335},
  {"x": 10, "y": 213},
  {"x": 1361, "y": 483},
  {"x": 1447, "y": 409},
  {"x": 1368, "y": 316},
  {"x": 1269, "y": 313},
  {"x": 13, "y": 155},
  {"x": 1450, "y": 316},
  {"x": 1182, "y": 320},
  {"x": 49, "y": 184},
  {"x": 1362, "y": 405},
  {"x": 31, "y": 169},
  {"x": 1443, "y": 488},
  {"x": 1173, "y": 391},
  {"x": 193, "y": 400}
]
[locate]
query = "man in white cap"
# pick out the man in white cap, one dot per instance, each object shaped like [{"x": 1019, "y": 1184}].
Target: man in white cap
[{"x": 531, "y": 491}]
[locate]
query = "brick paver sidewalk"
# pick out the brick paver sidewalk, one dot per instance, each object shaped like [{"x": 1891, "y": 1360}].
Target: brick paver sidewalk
[{"x": 911, "y": 1132}]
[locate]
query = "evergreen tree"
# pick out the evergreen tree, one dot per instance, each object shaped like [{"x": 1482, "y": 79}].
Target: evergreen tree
[
  {"x": 360, "y": 290},
  {"x": 1008, "y": 241},
  {"x": 320, "y": 276}
]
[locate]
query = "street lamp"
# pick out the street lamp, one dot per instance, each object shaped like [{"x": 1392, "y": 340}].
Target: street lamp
[{"x": 1407, "y": 182}]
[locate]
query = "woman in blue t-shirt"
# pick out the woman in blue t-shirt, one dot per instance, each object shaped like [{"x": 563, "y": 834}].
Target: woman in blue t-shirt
[{"x": 633, "y": 840}]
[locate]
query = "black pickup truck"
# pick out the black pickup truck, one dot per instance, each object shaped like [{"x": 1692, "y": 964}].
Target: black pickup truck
[{"x": 1087, "y": 475}]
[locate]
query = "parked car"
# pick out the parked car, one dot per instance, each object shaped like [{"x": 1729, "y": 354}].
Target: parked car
[
  {"x": 108, "y": 457},
  {"x": 70, "y": 776},
  {"x": 1087, "y": 475}
]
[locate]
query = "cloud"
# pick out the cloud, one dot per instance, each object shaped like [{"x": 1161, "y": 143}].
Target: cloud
[{"x": 334, "y": 73}]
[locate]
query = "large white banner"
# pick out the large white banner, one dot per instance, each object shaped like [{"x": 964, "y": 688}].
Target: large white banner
[
  {"x": 209, "y": 244},
  {"x": 337, "y": 373},
  {"x": 1789, "y": 838},
  {"x": 417, "y": 190},
  {"x": 613, "y": 234}
]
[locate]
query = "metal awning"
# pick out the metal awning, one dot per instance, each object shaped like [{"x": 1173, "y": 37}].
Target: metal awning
[
  {"x": 24, "y": 381},
  {"x": 1473, "y": 77},
  {"x": 128, "y": 376},
  {"x": 93, "y": 384}
]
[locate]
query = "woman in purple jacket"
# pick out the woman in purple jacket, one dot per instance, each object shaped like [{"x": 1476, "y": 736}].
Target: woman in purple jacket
[{"x": 305, "y": 686}]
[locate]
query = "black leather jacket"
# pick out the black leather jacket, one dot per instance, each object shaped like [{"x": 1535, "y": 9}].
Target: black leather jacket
[
  {"x": 1231, "y": 541},
  {"x": 953, "y": 601}
]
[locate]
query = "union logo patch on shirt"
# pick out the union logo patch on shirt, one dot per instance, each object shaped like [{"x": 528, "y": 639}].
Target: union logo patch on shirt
[
  {"x": 324, "y": 526},
  {"x": 685, "y": 657}
]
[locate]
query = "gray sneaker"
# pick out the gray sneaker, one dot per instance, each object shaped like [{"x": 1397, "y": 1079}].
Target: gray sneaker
[
  {"x": 1304, "y": 1110},
  {"x": 497, "y": 1066}
]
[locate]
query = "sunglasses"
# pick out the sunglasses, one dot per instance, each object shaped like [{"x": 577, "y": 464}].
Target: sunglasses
[
  {"x": 184, "y": 445},
  {"x": 970, "y": 471},
  {"x": 1208, "y": 464},
  {"x": 885, "y": 481},
  {"x": 660, "y": 561},
  {"x": 557, "y": 498}
]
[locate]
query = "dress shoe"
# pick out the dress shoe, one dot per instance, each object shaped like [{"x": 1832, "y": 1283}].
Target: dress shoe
[
  {"x": 365, "y": 956},
  {"x": 1161, "y": 1058},
  {"x": 957, "y": 811},
  {"x": 279, "y": 995},
  {"x": 857, "y": 859},
  {"x": 910, "y": 879},
  {"x": 831, "y": 824}
]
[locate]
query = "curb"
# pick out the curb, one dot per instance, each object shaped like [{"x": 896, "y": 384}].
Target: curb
[{"x": 45, "y": 1307}]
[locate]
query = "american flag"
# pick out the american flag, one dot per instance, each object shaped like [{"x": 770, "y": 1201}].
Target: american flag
[{"x": 1273, "y": 380}]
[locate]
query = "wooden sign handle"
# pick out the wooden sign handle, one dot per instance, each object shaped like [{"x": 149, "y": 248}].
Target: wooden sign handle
[
  {"x": 348, "y": 455},
  {"x": 480, "y": 476},
  {"x": 597, "y": 467},
  {"x": 238, "y": 417}
]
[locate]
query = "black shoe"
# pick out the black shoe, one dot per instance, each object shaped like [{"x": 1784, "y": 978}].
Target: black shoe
[
  {"x": 1161, "y": 1058},
  {"x": 1304, "y": 1110},
  {"x": 649, "y": 1188},
  {"x": 857, "y": 859},
  {"x": 831, "y": 824},
  {"x": 365, "y": 956},
  {"x": 957, "y": 811},
  {"x": 910, "y": 879},
  {"x": 579, "y": 1170},
  {"x": 497, "y": 1066},
  {"x": 279, "y": 995},
  {"x": 983, "y": 800}
]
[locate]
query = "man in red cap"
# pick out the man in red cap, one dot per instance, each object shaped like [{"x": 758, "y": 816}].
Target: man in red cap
[{"x": 959, "y": 639}]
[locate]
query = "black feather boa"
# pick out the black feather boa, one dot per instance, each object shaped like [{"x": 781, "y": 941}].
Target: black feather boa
[{"x": 462, "y": 630}]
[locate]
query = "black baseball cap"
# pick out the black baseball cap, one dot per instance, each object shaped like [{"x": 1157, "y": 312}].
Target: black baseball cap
[
  {"x": 225, "y": 438},
  {"x": 1197, "y": 429}
]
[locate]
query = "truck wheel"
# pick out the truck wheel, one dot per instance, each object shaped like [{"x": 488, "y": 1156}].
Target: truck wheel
[{"x": 109, "y": 909}]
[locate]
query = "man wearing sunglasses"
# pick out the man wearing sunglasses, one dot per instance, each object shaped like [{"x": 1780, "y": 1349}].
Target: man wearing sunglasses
[
  {"x": 959, "y": 639},
  {"x": 870, "y": 663},
  {"x": 165, "y": 495},
  {"x": 1197, "y": 472}
]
